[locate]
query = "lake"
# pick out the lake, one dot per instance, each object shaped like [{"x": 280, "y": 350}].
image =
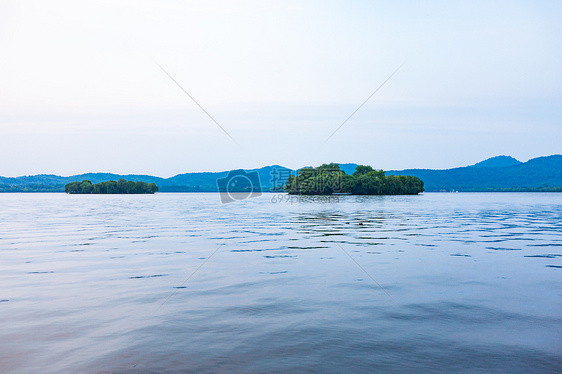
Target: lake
[{"x": 433, "y": 283}]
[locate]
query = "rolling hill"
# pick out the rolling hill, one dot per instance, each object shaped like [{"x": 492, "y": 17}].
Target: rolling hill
[
  {"x": 494, "y": 174},
  {"x": 501, "y": 173}
]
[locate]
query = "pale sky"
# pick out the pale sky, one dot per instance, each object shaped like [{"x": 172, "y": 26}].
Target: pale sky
[{"x": 81, "y": 90}]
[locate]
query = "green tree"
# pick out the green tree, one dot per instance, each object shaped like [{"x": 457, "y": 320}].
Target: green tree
[
  {"x": 87, "y": 187},
  {"x": 362, "y": 170},
  {"x": 329, "y": 178},
  {"x": 73, "y": 187},
  {"x": 121, "y": 186}
]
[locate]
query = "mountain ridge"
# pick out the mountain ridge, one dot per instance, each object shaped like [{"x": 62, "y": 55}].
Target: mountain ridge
[
  {"x": 545, "y": 171},
  {"x": 498, "y": 161},
  {"x": 493, "y": 174}
]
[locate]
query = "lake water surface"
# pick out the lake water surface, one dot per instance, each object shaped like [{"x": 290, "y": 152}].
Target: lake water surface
[{"x": 434, "y": 283}]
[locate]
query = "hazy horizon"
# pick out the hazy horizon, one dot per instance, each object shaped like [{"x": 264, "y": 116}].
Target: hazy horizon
[{"x": 82, "y": 90}]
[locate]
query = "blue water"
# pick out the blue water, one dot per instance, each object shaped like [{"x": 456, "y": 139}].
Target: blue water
[{"x": 434, "y": 283}]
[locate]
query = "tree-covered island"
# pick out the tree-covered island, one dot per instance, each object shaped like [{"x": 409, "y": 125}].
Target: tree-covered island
[
  {"x": 122, "y": 186},
  {"x": 329, "y": 179}
]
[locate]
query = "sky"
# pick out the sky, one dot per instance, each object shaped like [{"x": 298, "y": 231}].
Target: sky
[{"x": 169, "y": 87}]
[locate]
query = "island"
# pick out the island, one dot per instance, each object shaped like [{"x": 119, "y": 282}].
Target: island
[
  {"x": 328, "y": 179},
  {"x": 122, "y": 186}
]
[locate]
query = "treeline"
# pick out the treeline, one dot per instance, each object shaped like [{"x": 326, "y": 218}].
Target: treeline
[
  {"x": 329, "y": 179},
  {"x": 31, "y": 188},
  {"x": 111, "y": 187}
]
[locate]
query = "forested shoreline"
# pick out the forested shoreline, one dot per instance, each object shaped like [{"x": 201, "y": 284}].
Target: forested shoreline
[
  {"x": 328, "y": 179},
  {"x": 121, "y": 186},
  {"x": 496, "y": 174}
]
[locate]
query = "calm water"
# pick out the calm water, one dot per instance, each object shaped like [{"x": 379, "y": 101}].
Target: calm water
[{"x": 463, "y": 283}]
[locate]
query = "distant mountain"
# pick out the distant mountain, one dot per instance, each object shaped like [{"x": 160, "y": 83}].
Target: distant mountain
[
  {"x": 268, "y": 176},
  {"x": 348, "y": 168},
  {"x": 489, "y": 176},
  {"x": 497, "y": 162},
  {"x": 501, "y": 173},
  {"x": 55, "y": 183}
]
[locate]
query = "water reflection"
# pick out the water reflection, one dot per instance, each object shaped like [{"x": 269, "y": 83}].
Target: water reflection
[{"x": 181, "y": 282}]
